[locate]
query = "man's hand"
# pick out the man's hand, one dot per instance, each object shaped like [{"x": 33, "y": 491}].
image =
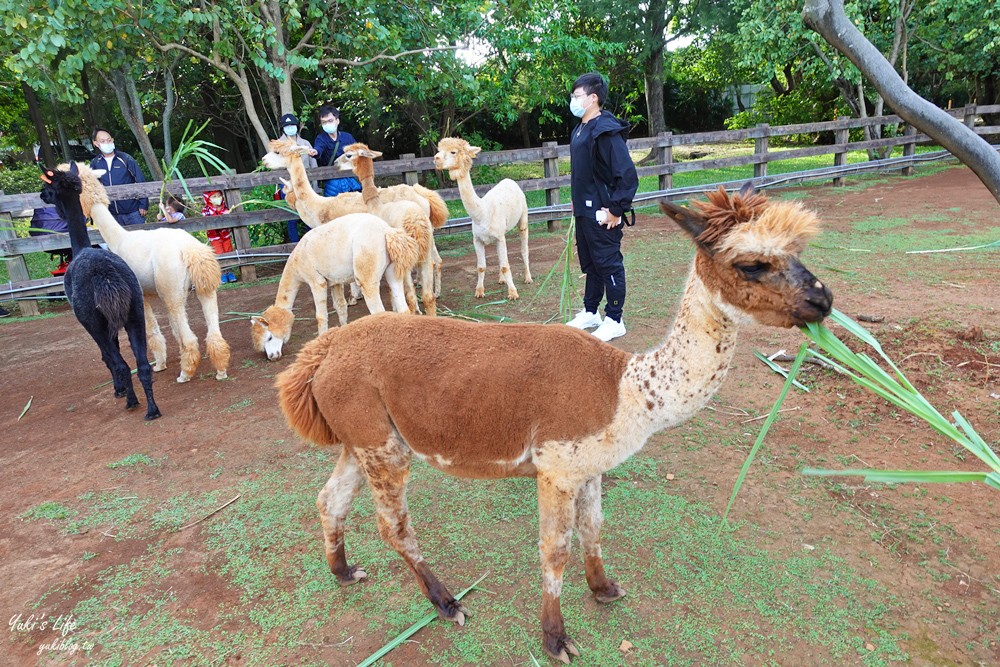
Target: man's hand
[
  {"x": 142, "y": 212},
  {"x": 611, "y": 221},
  {"x": 313, "y": 152}
]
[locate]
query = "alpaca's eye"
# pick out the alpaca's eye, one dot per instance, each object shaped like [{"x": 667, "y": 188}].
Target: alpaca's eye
[{"x": 753, "y": 270}]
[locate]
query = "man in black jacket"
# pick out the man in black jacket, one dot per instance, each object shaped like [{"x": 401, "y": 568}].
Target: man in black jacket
[
  {"x": 603, "y": 182},
  {"x": 121, "y": 170}
]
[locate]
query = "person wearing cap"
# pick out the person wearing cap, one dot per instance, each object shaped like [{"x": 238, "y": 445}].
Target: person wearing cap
[
  {"x": 290, "y": 128},
  {"x": 330, "y": 144}
]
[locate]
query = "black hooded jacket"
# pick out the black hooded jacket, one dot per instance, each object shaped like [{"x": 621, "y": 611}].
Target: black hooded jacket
[{"x": 603, "y": 175}]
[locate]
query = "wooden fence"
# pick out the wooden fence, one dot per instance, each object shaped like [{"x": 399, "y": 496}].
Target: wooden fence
[{"x": 409, "y": 167}]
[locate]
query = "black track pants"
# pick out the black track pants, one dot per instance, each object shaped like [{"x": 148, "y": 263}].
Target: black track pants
[{"x": 600, "y": 252}]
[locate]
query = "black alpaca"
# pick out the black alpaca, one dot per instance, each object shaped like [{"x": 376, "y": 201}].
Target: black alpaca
[{"x": 103, "y": 291}]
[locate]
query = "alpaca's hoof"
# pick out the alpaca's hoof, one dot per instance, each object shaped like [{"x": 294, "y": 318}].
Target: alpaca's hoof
[
  {"x": 157, "y": 367},
  {"x": 454, "y": 612},
  {"x": 353, "y": 576},
  {"x": 560, "y": 648},
  {"x": 512, "y": 294},
  {"x": 610, "y": 594},
  {"x": 120, "y": 393},
  {"x": 527, "y": 278},
  {"x": 182, "y": 378},
  {"x": 221, "y": 375},
  {"x": 480, "y": 292},
  {"x": 153, "y": 414}
]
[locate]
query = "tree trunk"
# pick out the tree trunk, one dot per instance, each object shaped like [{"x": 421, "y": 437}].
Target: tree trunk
[
  {"x": 522, "y": 123},
  {"x": 61, "y": 130},
  {"x": 827, "y": 18},
  {"x": 653, "y": 67},
  {"x": 46, "y": 153},
  {"x": 88, "y": 100},
  {"x": 170, "y": 101},
  {"x": 128, "y": 99}
]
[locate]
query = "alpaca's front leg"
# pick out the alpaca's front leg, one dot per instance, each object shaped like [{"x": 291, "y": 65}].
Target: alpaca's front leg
[
  {"x": 334, "y": 504},
  {"x": 588, "y": 525},
  {"x": 155, "y": 342},
  {"x": 480, "y": 267},
  {"x": 556, "y": 508},
  {"x": 505, "y": 276},
  {"x": 318, "y": 290}
]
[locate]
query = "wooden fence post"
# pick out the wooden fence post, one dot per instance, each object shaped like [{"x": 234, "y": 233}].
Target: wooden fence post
[
  {"x": 665, "y": 157},
  {"x": 841, "y": 138},
  {"x": 760, "y": 149},
  {"x": 410, "y": 177},
  {"x": 241, "y": 235},
  {"x": 909, "y": 148},
  {"x": 16, "y": 267},
  {"x": 550, "y": 166},
  {"x": 970, "y": 116}
]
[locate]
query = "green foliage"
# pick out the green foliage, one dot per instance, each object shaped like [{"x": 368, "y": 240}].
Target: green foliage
[{"x": 20, "y": 179}]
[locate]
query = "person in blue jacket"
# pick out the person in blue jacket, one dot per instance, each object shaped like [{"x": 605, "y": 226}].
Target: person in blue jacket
[
  {"x": 603, "y": 182},
  {"x": 121, "y": 170},
  {"x": 329, "y": 145}
]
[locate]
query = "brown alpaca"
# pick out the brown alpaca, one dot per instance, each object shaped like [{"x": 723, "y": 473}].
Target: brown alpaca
[
  {"x": 316, "y": 209},
  {"x": 545, "y": 401},
  {"x": 403, "y": 215},
  {"x": 496, "y": 213}
]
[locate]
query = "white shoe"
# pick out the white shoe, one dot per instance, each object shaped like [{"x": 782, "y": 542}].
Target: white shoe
[
  {"x": 585, "y": 320},
  {"x": 609, "y": 330}
]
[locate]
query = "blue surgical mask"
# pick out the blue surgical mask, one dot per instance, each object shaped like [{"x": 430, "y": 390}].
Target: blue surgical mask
[
  {"x": 291, "y": 130},
  {"x": 330, "y": 128},
  {"x": 107, "y": 148}
]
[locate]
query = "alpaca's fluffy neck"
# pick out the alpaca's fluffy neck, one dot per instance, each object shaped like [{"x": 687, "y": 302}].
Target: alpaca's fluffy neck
[
  {"x": 112, "y": 232},
  {"x": 306, "y": 199},
  {"x": 677, "y": 379},
  {"x": 364, "y": 169},
  {"x": 473, "y": 204},
  {"x": 77, "y": 223},
  {"x": 288, "y": 286}
]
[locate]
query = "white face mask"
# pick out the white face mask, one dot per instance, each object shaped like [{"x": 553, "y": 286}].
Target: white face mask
[
  {"x": 215, "y": 200},
  {"x": 291, "y": 130},
  {"x": 330, "y": 128},
  {"x": 107, "y": 148}
]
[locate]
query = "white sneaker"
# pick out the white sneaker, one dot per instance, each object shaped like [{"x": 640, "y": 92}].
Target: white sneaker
[
  {"x": 585, "y": 320},
  {"x": 609, "y": 330}
]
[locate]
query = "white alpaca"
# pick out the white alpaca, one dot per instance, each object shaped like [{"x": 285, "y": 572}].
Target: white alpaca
[
  {"x": 360, "y": 247},
  {"x": 167, "y": 263},
  {"x": 493, "y": 215},
  {"x": 401, "y": 214}
]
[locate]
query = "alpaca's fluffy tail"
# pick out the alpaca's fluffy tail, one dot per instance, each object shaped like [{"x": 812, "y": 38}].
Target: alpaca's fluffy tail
[
  {"x": 418, "y": 228},
  {"x": 113, "y": 299},
  {"x": 439, "y": 210},
  {"x": 203, "y": 268},
  {"x": 402, "y": 250},
  {"x": 295, "y": 393}
]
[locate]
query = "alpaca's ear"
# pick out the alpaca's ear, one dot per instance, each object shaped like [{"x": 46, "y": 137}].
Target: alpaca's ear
[
  {"x": 98, "y": 172},
  {"x": 285, "y": 182},
  {"x": 474, "y": 150},
  {"x": 259, "y": 321},
  {"x": 688, "y": 220},
  {"x": 74, "y": 168},
  {"x": 747, "y": 189},
  {"x": 369, "y": 153}
]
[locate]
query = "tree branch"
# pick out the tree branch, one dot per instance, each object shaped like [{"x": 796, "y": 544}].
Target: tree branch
[
  {"x": 382, "y": 56},
  {"x": 827, "y": 18}
]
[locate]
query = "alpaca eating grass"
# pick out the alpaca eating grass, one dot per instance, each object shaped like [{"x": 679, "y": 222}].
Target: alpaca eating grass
[
  {"x": 103, "y": 292},
  {"x": 496, "y": 213},
  {"x": 167, "y": 263},
  {"x": 400, "y": 214},
  {"x": 543, "y": 401},
  {"x": 359, "y": 247}
]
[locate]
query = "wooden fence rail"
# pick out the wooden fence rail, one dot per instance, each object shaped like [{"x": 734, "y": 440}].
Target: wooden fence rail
[{"x": 409, "y": 167}]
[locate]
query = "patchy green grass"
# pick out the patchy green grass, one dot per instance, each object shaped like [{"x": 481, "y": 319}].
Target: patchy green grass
[
  {"x": 132, "y": 461},
  {"x": 697, "y": 595}
]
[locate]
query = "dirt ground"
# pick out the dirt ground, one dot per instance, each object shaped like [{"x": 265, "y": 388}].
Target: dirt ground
[{"x": 937, "y": 548}]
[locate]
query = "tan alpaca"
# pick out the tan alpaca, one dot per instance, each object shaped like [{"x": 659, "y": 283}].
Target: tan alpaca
[
  {"x": 404, "y": 215},
  {"x": 360, "y": 247},
  {"x": 495, "y": 214},
  {"x": 167, "y": 263},
  {"x": 316, "y": 209},
  {"x": 545, "y": 401}
]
